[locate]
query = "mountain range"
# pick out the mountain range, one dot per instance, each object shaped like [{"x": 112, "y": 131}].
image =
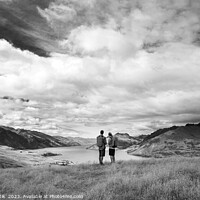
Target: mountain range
[
  {"x": 26, "y": 139},
  {"x": 124, "y": 141},
  {"x": 75, "y": 141},
  {"x": 173, "y": 141}
]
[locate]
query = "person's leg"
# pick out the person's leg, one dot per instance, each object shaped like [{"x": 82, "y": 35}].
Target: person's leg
[
  {"x": 114, "y": 156},
  {"x": 111, "y": 153},
  {"x": 112, "y": 159},
  {"x": 100, "y": 157},
  {"x": 103, "y": 154},
  {"x": 102, "y": 160}
]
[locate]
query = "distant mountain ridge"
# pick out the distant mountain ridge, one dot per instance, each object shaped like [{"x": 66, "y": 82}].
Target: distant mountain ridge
[
  {"x": 83, "y": 141},
  {"x": 76, "y": 141},
  {"x": 26, "y": 139},
  {"x": 173, "y": 141},
  {"x": 124, "y": 141}
]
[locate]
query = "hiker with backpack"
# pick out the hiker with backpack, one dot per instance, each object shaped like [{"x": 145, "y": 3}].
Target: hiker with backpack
[
  {"x": 112, "y": 143},
  {"x": 101, "y": 143}
]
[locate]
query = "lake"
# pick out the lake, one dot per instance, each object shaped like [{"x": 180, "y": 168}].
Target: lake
[{"x": 79, "y": 154}]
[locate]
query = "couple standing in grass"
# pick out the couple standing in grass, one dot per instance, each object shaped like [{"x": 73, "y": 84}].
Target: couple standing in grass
[{"x": 102, "y": 142}]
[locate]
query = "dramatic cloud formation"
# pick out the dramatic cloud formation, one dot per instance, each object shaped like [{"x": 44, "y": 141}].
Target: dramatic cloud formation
[{"x": 129, "y": 66}]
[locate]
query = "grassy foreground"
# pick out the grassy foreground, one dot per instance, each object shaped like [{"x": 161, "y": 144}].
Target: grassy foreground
[{"x": 163, "y": 179}]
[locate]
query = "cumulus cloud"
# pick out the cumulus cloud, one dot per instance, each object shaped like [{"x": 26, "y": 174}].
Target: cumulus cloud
[
  {"x": 140, "y": 23},
  {"x": 129, "y": 66}
]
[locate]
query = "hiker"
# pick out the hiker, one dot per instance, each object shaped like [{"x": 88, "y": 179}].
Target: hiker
[
  {"x": 101, "y": 143},
  {"x": 112, "y": 143}
]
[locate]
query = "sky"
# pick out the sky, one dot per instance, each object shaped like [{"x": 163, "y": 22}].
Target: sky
[{"x": 74, "y": 67}]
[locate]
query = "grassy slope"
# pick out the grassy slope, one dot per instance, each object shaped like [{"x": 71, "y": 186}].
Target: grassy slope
[
  {"x": 162, "y": 179},
  {"x": 9, "y": 163},
  {"x": 184, "y": 141}
]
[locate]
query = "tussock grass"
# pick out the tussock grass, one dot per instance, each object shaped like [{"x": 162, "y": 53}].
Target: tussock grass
[{"x": 153, "y": 179}]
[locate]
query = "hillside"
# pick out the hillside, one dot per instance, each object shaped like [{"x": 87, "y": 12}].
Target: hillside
[
  {"x": 124, "y": 141},
  {"x": 66, "y": 141},
  {"x": 150, "y": 179},
  {"x": 76, "y": 141},
  {"x": 6, "y": 162},
  {"x": 26, "y": 139},
  {"x": 177, "y": 140},
  {"x": 83, "y": 141}
]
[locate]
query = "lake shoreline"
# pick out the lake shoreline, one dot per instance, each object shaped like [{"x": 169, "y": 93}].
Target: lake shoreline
[{"x": 75, "y": 155}]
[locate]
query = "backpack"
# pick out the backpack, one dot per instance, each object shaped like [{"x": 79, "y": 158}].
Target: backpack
[
  {"x": 99, "y": 141},
  {"x": 113, "y": 142}
]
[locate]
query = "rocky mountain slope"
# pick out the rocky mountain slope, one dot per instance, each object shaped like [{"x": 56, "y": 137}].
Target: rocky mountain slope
[
  {"x": 124, "y": 141},
  {"x": 76, "y": 141},
  {"x": 83, "y": 141},
  {"x": 26, "y": 139},
  {"x": 177, "y": 140},
  {"x": 67, "y": 141}
]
